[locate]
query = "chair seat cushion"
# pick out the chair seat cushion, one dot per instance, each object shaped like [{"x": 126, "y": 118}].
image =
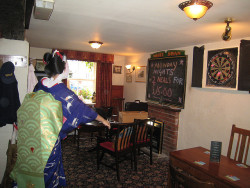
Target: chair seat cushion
[
  {"x": 108, "y": 145},
  {"x": 143, "y": 141}
]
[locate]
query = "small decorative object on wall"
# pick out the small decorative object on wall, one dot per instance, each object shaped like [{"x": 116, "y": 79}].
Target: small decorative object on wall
[
  {"x": 140, "y": 74},
  {"x": 117, "y": 69},
  {"x": 222, "y": 68},
  {"x": 128, "y": 77},
  {"x": 39, "y": 65}
]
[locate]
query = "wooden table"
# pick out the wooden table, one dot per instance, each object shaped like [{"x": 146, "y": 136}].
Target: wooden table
[
  {"x": 91, "y": 127},
  {"x": 210, "y": 171}
]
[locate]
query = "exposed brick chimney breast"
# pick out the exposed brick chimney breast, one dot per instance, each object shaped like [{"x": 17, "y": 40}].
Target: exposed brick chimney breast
[{"x": 170, "y": 117}]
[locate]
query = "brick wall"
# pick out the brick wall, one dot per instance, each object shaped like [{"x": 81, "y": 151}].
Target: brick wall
[{"x": 170, "y": 117}]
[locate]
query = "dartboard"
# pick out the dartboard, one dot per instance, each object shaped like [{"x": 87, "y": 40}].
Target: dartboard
[{"x": 221, "y": 68}]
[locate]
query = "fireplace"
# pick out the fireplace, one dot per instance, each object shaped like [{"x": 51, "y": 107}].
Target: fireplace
[{"x": 170, "y": 118}]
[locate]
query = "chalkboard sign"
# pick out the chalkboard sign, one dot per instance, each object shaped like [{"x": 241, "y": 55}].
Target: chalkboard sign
[{"x": 166, "y": 81}]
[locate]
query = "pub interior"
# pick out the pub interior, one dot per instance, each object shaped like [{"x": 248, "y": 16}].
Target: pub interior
[{"x": 195, "y": 105}]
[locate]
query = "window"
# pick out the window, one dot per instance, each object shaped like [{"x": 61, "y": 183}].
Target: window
[{"x": 82, "y": 79}]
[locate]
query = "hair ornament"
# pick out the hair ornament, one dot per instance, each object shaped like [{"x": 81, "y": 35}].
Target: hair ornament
[
  {"x": 44, "y": 62},
  {"x": 58, "y": 53},
  {"x": 64, "y": 58}
]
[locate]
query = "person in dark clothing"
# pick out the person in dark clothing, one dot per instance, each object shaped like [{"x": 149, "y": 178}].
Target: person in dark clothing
[{"x": 9, "y": 95}]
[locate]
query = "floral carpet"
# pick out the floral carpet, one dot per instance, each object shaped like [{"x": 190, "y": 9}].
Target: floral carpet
[{"x": 81, "y": 169}]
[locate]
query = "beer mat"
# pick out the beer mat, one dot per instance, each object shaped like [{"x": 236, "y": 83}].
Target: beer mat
[
  {"x": 242, "y": 165},
  {"x": 199, "y": 162},
  {"x": 207, "y": 152},
  {"x": 231, "y": 177}
]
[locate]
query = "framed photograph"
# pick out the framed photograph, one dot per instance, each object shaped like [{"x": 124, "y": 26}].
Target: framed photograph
[
  {"x": 39, "y": 65},
  {"x": 117, "y": 69},
  {"x": 222, "y": 68},
  {"x": 128, "y": 77},
  {"x": 140, "y": 74}
]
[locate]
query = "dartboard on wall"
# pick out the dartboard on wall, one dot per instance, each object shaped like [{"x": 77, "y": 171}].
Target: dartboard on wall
[{"x": 222, "y": 68}]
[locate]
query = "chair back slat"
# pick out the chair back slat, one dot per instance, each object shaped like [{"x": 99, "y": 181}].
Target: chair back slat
[
  {"x": 124, "y": 138},
  {"x": 237, "y": 147},
  {"x": 142, "y": 129},
  {"x": 245, "y": 160},
  {"x": 242, "y": 146},
  {"x": 141, "y": 132}
]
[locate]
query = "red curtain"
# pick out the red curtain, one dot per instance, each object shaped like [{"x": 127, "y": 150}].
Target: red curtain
[
  {"x": 103, "y": 73},
  {"x": 103, "y": 84}
]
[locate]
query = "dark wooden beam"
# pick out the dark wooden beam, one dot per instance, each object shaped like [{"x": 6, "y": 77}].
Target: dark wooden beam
[
  {"x": 28, "y": 12},
  {"x": 15, "y": 18}
]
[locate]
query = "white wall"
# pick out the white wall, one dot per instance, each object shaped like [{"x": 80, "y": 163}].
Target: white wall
[
  {"x": 135, "y": 90},
  {"x": 18, "y": 48},
  {"x": 209, "y": 113},
  {"x": 118, "y": 79},
  {"x": 37, "y": 53}
]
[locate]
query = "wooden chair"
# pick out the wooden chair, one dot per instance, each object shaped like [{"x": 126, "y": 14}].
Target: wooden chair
[
  {"x": 143, "y": 136},
  {"x": 118, "y": 105},
  {"x": 242, "y": 146},
  {"x": 119, "y": 147},
  {"x": 179, "y": 178}
]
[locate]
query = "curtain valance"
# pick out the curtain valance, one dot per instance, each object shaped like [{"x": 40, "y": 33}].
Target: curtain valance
[{"x": 88, "y": 56}]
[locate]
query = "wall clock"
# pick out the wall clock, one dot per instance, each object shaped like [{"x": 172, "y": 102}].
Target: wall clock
[{"x": 222, "y": 68}]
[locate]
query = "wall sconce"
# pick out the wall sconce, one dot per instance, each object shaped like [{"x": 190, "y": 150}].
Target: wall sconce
[
  {"x": 227, "y": 35},
  {"x": 129, "y": 68},
  {"x": 95, "y": 44},
  {"x": 195, "y": 9}
]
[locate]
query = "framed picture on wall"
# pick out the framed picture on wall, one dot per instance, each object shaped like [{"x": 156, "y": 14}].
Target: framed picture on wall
[
  {"x": 117, "y": 69},
  {"x": 140, "y": 74},
  {"x": 39, "y": 65},
  {"x": 128, "y": 77}
]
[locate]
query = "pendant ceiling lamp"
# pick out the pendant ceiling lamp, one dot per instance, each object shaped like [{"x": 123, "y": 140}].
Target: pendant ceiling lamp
[
  {"x": 195, "y": 9},
  {"x": 95, "y": 44}
]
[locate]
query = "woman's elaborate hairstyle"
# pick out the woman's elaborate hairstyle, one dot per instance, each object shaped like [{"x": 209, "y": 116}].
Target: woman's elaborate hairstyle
[{"x": 55, "y": 63}]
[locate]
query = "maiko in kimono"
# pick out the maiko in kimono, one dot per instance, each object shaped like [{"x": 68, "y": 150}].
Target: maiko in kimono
[{"x": 74, "y": 112}]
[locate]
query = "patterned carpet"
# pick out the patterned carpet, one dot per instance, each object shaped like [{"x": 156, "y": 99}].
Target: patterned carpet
[{"x": 81, "y": 169}]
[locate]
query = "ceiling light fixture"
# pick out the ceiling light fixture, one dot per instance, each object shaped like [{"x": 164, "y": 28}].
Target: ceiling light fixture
[
  {"x": 129, "y": 67},
  {"x": 95, "y": 44},
  {"x": 227, "y": 34},
  {"x": 195, "y": 9},
  {"x": 43, "y": 9}
]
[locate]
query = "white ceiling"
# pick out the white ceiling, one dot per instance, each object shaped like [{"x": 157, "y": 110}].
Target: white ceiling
[{"x": 128, "y": 27}]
